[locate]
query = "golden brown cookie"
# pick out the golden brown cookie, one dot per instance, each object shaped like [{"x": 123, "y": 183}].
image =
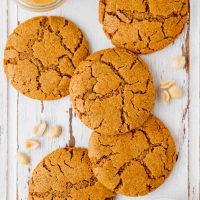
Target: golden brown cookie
[
  {"x": 112, "y": 91},
  {"x": 143, "y": 26},
  {"x": 134, "y": 163},
  {"x": 41, "y": 56},
  {"x": 66, "y": 174}
]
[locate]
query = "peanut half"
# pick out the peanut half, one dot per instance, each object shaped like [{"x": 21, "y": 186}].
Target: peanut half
[
  {"x": 167, "y": 84},
  {"x": 32, "y": 144},
  {"x": 175, "y": 92},
  {"x": 179, "y": 62},
  {"x": 22, "y": 158},
  {"x": 54, "y": 132},
  {"x": 165, "y": 97},
  {"x": 40, "y": 128}
]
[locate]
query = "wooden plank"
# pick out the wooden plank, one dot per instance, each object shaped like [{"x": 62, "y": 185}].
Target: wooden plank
[
  {"x": 3, "y": 104},
  {"x": 160, "y": 65},
  {"x": 29, "y": 113},
  {"x": 180, "y": 116},
  {"x": 12, "y": 117},
  {"x": 194, "y": 120}
]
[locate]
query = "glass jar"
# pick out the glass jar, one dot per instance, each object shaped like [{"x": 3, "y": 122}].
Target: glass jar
[{"x": 39, "y": 5}]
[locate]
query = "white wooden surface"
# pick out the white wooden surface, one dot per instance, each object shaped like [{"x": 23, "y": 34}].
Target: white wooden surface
[{"x": 19, "y": 114}]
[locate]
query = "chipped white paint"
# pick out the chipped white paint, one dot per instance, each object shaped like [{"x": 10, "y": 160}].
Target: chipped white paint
[{"x": 18, "y": 114}]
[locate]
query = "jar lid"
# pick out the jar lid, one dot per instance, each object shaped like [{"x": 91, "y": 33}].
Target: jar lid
[{"x": 39, "y": 5}]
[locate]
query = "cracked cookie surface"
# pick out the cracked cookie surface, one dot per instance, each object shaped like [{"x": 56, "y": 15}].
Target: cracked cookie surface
[
  {"x": 112, "y": 91},
  {"x": 66, "y": 174},
  {"x": 143, "y": 26},
  {"x": 134, "y": 163},
  {"x": 41, "y": 56}
]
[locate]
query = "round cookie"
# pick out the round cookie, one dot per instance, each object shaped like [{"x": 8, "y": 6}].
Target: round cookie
[
  {"x": 112, "y": 91},
  {"x": 66, "y": 174},
  {"x": 143, "y": 26},
  {"x": 134, "y": 163},
  {"x": 41, "y": 56}
]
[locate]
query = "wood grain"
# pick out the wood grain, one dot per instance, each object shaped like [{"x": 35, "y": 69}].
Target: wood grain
[
  {"x": 18, "y": 114},
  {"x": 3, "y": 107},
  {"x": 72, "y": 141},
  {"x": 194, "y": 119}
]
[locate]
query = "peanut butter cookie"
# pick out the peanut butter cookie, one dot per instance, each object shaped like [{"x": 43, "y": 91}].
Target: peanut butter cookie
[
  {"x": 134, "y": 163},
  {"x": 112, "y": 91},
  {"x": 66, "y": 174},
  {"x": 41, "y": 56},
  {"x": 143, "y": 26}
]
